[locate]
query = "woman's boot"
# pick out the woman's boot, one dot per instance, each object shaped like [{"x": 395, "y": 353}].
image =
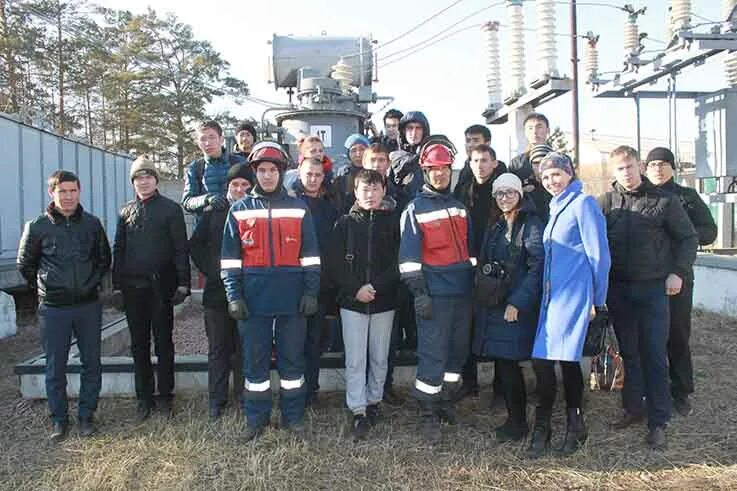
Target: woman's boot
[
  {"x": 575, "y": 432},
  {"x": 540, "y": 440}
]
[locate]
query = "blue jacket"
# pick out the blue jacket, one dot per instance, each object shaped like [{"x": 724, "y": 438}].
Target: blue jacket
[
  {"x": 493, "y": 336},
  {"x": 207, "y": 176},
  {"x": 437, "y": 245},
  {"x": 270, "y": 255},
  {"x": 576, "y": 274}
]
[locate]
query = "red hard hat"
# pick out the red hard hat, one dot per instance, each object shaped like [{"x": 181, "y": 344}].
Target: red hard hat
[
  {"x": 436, "y": 155},
  {"x": 268, "y": 152}
]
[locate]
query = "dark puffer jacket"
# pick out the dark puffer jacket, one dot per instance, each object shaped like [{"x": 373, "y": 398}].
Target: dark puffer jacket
[
  {"x": 151, "y": 246},
  {"x": 65, "y": 258},
  {"x": 493, "y": 336},
  {"x": 375, "y": 236},
  {"x": 650, "y": 235}
]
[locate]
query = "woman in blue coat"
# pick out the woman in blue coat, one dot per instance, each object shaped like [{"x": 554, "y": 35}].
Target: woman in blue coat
[
  {"x": 505, "y": 332},
  {"x": 575, "y": 279}
]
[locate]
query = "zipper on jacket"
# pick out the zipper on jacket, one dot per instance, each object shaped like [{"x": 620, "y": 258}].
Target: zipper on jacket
[
  {"x": 370, "y": 252},
  {"x": 74, "y": 266},
  {"x": 271, "y": 236}
]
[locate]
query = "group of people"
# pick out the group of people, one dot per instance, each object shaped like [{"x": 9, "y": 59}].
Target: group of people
[{"x": 512, "y": 264}]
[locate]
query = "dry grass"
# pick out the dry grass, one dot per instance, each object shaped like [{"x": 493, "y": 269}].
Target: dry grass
[{"x": 190, "y": 453}]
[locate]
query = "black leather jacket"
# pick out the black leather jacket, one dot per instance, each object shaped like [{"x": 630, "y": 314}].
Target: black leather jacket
[{"x": 65, "y": 258}]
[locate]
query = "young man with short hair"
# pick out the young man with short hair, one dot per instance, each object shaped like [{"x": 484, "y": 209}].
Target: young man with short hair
[
  {"x": 660, "y": 165},
  {"x": 537, "y": 131},
  {"x": 224, "y": 350},
  {"x": 653, "y": 247},
  {"x": 390, "y": 136},
  {"x": 363, "y": 265},
  {"x": 270, "y": 266},
  {"x": 475, "y": 135},
  {"x": 151, "y": 274},
  {"x": 342, "y": 186},
  {"x": 405, "y": 169},
  {"x": 245, "y": 138},
  {"x": 205, "y": 178},
  {"x": 64, "y": 254}
]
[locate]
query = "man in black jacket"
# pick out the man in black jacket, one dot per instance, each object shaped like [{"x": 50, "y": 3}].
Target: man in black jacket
[
  {"x": 64, "y": 254},
  {"x": 475, "y": 194},
  {"x": 537, "y": 130},
  {"x": 150, "y": 274},
  {"x": 653, "y": 247},
  {"x": 660, "y": 164},
  {"x": 223, "y": 355},
  {"x": 363, "y": 264},
  {"x": 390, "y": 137}
]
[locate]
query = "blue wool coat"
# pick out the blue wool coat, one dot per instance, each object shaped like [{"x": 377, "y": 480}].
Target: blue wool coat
[
  {"x": 576, "y": 274},
  {"x": 493, "y": 336}
]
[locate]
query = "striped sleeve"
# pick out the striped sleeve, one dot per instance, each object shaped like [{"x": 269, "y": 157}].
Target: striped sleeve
[
  {"x": 231, "y": 270},
  {"x": 310, "y": 256},
  {"x": 410, "y": 245}
]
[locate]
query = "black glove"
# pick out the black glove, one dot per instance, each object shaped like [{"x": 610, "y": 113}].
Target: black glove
[
  {"x": 179, "y": 295},
  {"x": 237, "y": 310},
  {"x": 117, "y": 301},
  {"x": 218, "y": 202},
  {"x": 601, "y": 316},
  {"x": 308, "y": 305},
  {"x": 423, "y": 306}
]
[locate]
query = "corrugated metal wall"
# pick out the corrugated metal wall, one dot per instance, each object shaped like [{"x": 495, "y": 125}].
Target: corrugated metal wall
[{"x": 28, "y": 155}]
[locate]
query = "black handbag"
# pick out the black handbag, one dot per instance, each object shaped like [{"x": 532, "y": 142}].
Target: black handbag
[{"x": 596, "y": 333}]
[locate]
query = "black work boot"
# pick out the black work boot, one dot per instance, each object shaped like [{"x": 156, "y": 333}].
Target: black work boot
[
  {"x": 511, "y": 431},
  {"x": 86, "y": 427},
  {"x": 251, "y": 432},
  {"x": 540, "y": 440},
  {"x": 430, "y": 423},
  {"x": 575, "y": 432},
  {"x": 58, "y": 431}
]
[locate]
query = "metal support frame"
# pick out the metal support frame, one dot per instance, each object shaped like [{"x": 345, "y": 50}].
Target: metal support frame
[{"x": 534, "y": 96}]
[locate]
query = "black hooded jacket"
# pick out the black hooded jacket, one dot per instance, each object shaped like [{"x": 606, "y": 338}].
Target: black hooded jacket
[
  {"x": 405, "y": 170},
  {"x": 477, "y": 199}
]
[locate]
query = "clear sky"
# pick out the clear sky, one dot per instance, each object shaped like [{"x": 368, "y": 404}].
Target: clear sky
[{"x": 446, "y": 80}]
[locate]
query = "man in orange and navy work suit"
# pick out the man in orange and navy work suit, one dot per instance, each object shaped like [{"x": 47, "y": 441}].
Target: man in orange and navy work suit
[
  {"x": 435, "y": 263},
  {"x": 270, "y": 266}
]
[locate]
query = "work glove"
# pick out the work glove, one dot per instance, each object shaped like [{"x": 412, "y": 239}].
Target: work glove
[
  {"x": 179, "y": 295},
  {"x": 218, "y": 202},
  {"x": 308, "y": 305},
  {"x": 601, "y": 317},
  {"x": 423, "y": 306},
  {"x": 117, "y": 301},
  {"x": 237, "y": 310}
]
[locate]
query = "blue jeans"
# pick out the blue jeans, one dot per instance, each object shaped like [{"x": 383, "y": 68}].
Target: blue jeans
[
  {"x": 443, "y": 345},
  {"x": 257, "y": 335},
  {"x": 639, "y": 312},
  {"x": 58, "y": 324}
]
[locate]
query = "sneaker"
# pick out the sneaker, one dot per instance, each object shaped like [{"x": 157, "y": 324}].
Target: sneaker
[
  {"x": 360, "y": 427},
  {"x": 511, "y": 432},
  {"x": 656, "y": 438},
  {"x": 627, "y": 420},
  {"x": 86, "y": 427},
  {"x": 682, "y": 405},
  {"x": 391, "y": 398},
  {"x": 373, "y": 414},
  {"x": 58, "y": 431}
]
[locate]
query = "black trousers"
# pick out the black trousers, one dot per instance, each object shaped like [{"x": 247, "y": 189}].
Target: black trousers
[
  {"x": 509, "y": 377},
  {"x": 147, "y": 314},
  {"x": 546, "y": 384},
  {"x": 223, "y": 355},
  {"x": 680, "y": 365}
]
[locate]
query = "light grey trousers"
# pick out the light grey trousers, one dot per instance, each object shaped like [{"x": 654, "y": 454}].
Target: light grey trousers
[{"x": 366, "y": 339}]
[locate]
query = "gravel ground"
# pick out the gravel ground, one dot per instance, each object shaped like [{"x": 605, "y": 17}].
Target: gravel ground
[{"x": 189, "y": 331}]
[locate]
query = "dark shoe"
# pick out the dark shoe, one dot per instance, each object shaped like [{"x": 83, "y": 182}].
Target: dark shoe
[
  {"x": 166, "y": 407},
  {"x": 310, "y": 399},
  {"x": 360, "y": 427},
  {"x": 627, "y": 420},
  {"x": 447, "y": 413},
  {"x": 576, "y": 433},
  {"x": 511, "y": 431},
  {"x": 373, "y": 414},
  {"x": 250, "y": 432},
  {"x": 215, "y": 412},
  {"x": 86, "y": 427},
  {"x": 430, "y": 423},
  {"x": 497, "y": 401},
  {"x": 467, "y": 390},
  {"x": 682, "y": 405},
  {"x": 656, "y": 438},
  {"x": 297, "y": 429},
  {"x": 391, "y": 398},
  {"x": 540, "y": 440},
  {"x": 58, "y": 431},
  {"x": 143, "y": 411}
]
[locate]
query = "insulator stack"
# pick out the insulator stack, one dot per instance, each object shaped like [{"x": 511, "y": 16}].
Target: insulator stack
[
  {"x": 591, "y": 59},
  {"x": 668, "y": 27},
  {"x": 631, "y": 38},
  {"x": 680, "y": 14},
  {"x": 729, "y": 6},
  {"x": 493, "y": 65},
  {"x": 546, "y": 46},
  {"x": 343, "y": 73},
  {"x": 516, "y": 49}
]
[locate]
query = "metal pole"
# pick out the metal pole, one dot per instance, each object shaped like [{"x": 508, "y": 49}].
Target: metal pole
[
  {"x": 574, "y": 61},
  {"x": 639, "y": 132}
]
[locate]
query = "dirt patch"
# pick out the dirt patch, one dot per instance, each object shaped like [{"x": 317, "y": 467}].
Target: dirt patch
[{"x": 188, "y": 452}]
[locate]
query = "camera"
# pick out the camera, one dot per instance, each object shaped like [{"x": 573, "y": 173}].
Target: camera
[{"x": 494, "y": 269}]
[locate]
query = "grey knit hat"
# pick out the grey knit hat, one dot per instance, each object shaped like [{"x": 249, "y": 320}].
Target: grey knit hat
[{"x": 143, "y": 166}]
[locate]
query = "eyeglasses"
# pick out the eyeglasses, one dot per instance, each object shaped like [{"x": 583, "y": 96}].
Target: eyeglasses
[
  {"x": 658, "y": 163},
  {"x": 508, "y": 194}
]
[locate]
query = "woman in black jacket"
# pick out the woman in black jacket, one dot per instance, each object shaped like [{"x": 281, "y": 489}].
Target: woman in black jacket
[{"x": 363, "y": 265}]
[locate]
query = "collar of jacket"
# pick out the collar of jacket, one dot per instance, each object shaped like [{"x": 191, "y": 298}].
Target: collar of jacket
[
  {"x": 430, "y": 192},
  {"x": 575, "y": 187},
  {"x": 237, "y": 151},
  {"x": 644, "y": 187},
  {"x": 56, "y": 217},
  {"x": 280, "y": 193},
  {"x": 387, "y": 206},
  {"x": 669, "y": 185},
  {"x": 222, "y": 159},
  {"x": 299, "y": 190},
  {"x": 150, "y": 198}
]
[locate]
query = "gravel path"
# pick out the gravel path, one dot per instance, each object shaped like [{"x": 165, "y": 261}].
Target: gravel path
[{"x": 189, "y": 331}]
